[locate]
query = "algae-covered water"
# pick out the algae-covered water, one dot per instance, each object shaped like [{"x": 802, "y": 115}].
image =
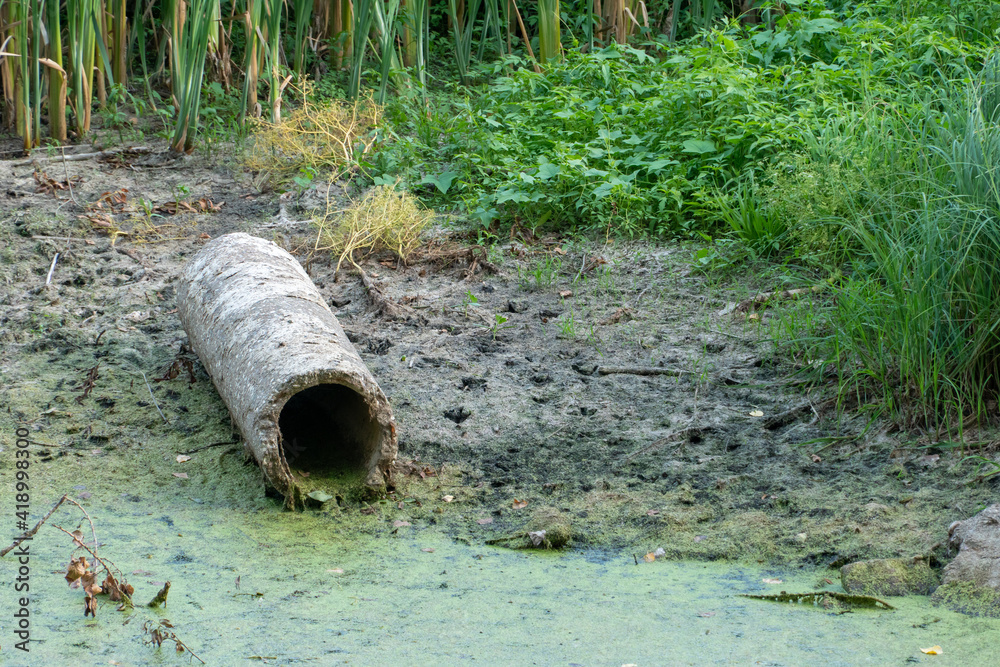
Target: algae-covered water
[
  {"x": 96, "y": 366},
  {"x": 314, "y": 591}
]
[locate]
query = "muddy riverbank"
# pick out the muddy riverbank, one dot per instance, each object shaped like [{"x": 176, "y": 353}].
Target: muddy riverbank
[{"x": 507, "y": 385}]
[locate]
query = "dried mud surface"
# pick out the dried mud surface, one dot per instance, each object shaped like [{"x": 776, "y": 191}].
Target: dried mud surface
[{"x": 489, "y": 413}]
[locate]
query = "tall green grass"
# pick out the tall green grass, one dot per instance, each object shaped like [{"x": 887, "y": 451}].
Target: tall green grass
[
  {"x": 915, "y": 328},
  {"x": 189, "y": 37}
]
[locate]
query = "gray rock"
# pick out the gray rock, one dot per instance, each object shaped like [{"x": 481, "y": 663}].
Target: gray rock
[
  {"x": 971, "y": 582},
  {"x": 889, "y": 576},
  {"x": 978, "y": 543}
]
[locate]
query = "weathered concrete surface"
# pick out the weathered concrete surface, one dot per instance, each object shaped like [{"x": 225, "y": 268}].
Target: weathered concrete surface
[
  {"x": 293, "y": 382},
  {"x": 889, "y": 576}
]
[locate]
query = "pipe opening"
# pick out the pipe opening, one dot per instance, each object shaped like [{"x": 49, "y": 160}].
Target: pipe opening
[{"x": 328, "y": 429}]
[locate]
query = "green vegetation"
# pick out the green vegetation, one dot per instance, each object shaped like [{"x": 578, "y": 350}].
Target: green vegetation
[{"x": 855, "y": 143}]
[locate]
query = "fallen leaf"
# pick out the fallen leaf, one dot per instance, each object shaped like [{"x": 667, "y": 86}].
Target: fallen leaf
[
  {"x": 519, "y": 504},
  {"x": 537, "y": 537},
  {"x": 401, "y": 524},
  {"x": 89, "y": 583},
  {"x": 566, "y": 293},
  {"x": 652, "y": 512},
  {"x": 619, "y": 315},
  {"x": 77, "y": 537},
  {"x": 336, "y": 570},
  {"x": 707, "y": 614},
  {"x": 484, "y": 522},
  {"x": 320, "y": 496},
  {"x": 76, "y": 569},
  {"x": 933, "y": 650},
  {"x": 756, "y": 413},
  {"x": 181, "y": 475},
  {"x": 447, "y": 499},
  {"x": 815, "y": 458},
  {"x": 753, "y": 317},
  {"x": 650, "y": 557},
  {"x": 428, "y": 550},
  {"x": 181, "y": 458},
  {"x": 772, "y": 581}
]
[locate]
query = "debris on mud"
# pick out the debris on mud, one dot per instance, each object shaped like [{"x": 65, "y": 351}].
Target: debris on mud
[
  {"x": 826, "y": 600},
  {"x": 889, "y": 577},
  {"x": 548, "y": 529}
]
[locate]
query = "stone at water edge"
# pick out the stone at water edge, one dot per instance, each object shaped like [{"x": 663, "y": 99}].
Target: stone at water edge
[
  {"x": 972, "y": 580},
  {"x": 889, "y": 576}
]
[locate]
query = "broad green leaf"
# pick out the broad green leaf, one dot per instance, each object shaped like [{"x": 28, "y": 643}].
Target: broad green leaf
[
  {"x": 548, "y": 170},
  {"x": 699, "y": 146},
  {"x": 441, "y": 181}
]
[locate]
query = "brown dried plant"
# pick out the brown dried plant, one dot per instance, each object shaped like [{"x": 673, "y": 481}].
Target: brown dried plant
[{"x": 315, "y": 136}]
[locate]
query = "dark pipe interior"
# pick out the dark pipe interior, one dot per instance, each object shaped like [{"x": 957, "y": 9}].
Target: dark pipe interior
[{"x": 327, "y": 428}]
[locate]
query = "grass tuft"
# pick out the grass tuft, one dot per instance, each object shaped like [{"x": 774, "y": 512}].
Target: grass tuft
[
  {"x": 384, "y": 219},
  {"x": 330, "y": 135}
]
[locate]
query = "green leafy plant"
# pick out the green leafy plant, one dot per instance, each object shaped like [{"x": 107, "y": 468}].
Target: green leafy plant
[
  {"x": 470, "y": 299},
  {"x": 498, "y": 324}
]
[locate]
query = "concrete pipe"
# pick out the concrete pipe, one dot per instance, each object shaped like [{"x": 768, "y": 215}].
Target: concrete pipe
[{"x": 294, "y": 385}]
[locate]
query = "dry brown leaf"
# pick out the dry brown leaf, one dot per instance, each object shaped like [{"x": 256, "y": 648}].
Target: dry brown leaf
[
  {"x": 519, "y": 504},
  {"x": 77, "y": 538},
  {"x": 181, "y": 475},
  {"x": 933, "y": 650},
  {"x": 447, "y": 499},
  {"x": 815, "y": 458},
  {"x": 181, "y": 458},
  {"x": 652, "y": 512},
  {"x": 566, "y": 293},
  {"x": 428, "y": 550},
  {"x": 619, "y": 315},
  {"x": 76, "y": 569},
  {"x": 112, "y": 589},
  {"x": 650, "y": 557},
  {"x": 401, "y": 524},
  {"x": 484, "y": 522}
]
